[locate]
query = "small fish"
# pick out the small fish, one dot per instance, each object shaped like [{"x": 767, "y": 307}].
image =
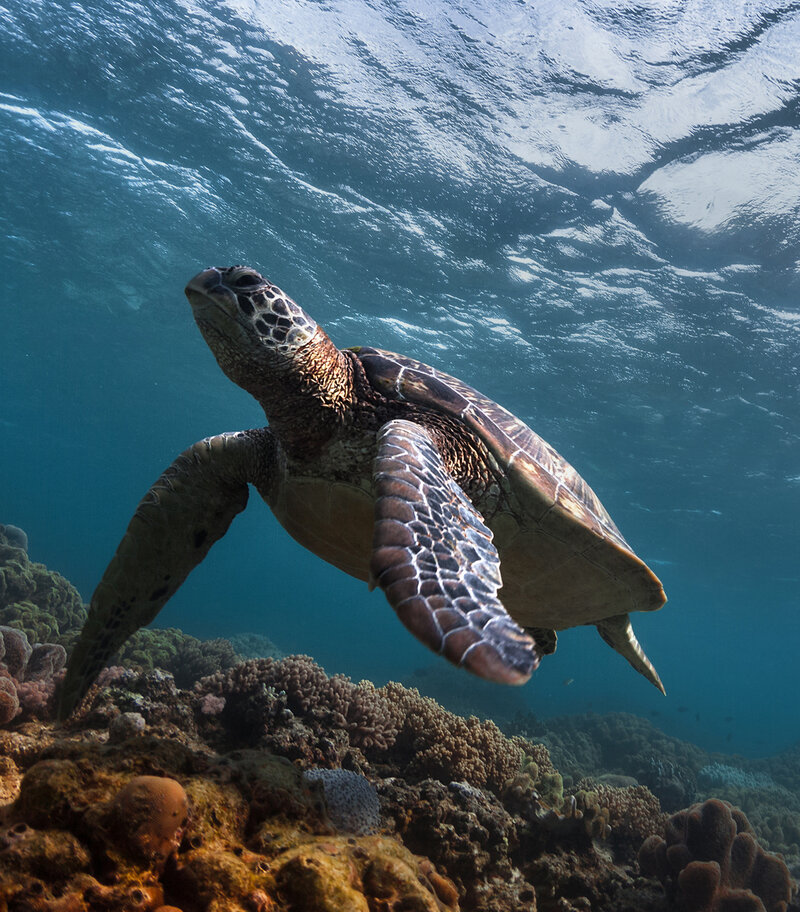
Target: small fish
[
  {"x": 697, "y": 717},
  {"x": 655, "y": 712},
  {"x": 730, "y": 735},
  {"x": 567, "y": 681},
  {"x": 729, "y": 718},
  {"x": 683, "y": 709}
]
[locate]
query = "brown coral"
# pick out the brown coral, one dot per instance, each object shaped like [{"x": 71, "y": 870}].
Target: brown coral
[
  {"x": 435, "y": 743},
  {"x": 388, "y": 724},
  {"x": 633, "y": 812},
  {"x": 259, "y": 689},
  {"x": 9, "y": 701},
  {"x": 710, "y": 862},
  {"x": 150, "y": 814},
  {"x": 96, "y": 828}
]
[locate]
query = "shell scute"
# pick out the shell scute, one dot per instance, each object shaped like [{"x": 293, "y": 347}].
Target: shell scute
[{"x": 557, "y": 542}]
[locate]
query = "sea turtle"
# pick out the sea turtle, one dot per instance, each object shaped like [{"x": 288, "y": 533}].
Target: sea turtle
[{"x": 392, "y": 471}]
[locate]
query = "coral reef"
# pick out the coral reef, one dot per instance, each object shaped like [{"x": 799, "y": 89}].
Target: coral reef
[
  {"x": 232, "y": 796},
  {"x": 28, "y": 675},
  {"x": 588, "y": 745},
  {"x": 767, "y": 792},
  {"x": 466, "y": 695},
  {"x": 351, "y": 800},
  {"x": 489, "y": 811},
  {"x": 14, "y": 537},
  {"x": 193, "y": 783},
  {"x": 716, "y": 775},
  {"x": 632, "y": 813},
  {"x": 48, "y": 609},
  {"x": 149, "y": 822},
  {"x": 293, "y": 707},
  {"x": 255, "y": 646},
  {"x": 9, "y": 701},
  {"x": 710, "y": 861},
  {"x": 622, "y": 749},
  {"x": 34, "y": 599},
  {"x": 186, "y": 657}
]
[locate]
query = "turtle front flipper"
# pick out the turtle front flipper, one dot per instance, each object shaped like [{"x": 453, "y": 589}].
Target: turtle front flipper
[
  {"x": 189, "y": 508},
  {"x": 434, "y": 558},
  {"x": 617, "y": 631},
  {"x": 546, "y": 639}
]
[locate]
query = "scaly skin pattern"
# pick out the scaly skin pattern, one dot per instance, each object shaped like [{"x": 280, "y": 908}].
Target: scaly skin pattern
[{"x": 392, "y": 471}]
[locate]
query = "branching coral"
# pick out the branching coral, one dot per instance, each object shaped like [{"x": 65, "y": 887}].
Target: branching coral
[
  {"x": 710, "y": 862},
  {"x": 185, "y": 657},
  {"x": 263, "y": 689},
  {"x": 390, "y": 723},
  {"x": 436, "y": 743}
]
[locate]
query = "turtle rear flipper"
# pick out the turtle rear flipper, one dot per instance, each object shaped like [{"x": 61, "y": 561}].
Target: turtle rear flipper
[
  {"x": 617, "y": 631},
  {"x": 434, "y": 558},
  {"x": 189, "y": 508}
]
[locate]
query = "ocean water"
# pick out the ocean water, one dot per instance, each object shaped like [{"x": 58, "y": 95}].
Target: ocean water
[{"x": 588, "y": 210}]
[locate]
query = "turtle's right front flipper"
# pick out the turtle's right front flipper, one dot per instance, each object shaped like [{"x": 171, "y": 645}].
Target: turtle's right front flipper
[
  {"x": 189, "y": 508},
  {"x": 434, "y": 558}
]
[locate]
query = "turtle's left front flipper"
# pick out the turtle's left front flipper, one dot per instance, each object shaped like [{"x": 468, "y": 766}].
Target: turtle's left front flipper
[
  {"x": 189, "y": 508},
  {"x": 434, "y": 558}
]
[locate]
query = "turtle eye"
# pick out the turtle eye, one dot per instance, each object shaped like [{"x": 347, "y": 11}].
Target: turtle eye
[{"x": 248, "y": 281}]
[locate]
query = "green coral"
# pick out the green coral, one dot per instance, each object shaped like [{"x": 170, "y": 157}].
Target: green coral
[
  {"x": 186, "y": 657},
  {"x": 551, "y": 789},
  {"x": 49, "y": 609},
  {"x": 41, "y": 602}
]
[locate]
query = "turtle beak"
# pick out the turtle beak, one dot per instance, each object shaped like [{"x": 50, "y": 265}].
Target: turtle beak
[{"x": 203, "y": 283}]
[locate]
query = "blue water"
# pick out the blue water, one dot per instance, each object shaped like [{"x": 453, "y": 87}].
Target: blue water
[{"x": 588, "y": 210}]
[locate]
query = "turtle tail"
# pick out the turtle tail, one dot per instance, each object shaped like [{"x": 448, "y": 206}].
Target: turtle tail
[{"x": 618, "y": 632}]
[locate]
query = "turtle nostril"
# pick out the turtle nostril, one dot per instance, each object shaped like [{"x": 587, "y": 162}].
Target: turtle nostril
[{"x": 206, "y": 281}]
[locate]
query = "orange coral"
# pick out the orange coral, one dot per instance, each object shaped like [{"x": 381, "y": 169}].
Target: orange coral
[
  {"x": 85, "y": 835},
  {"x": 151, "y": 813}
]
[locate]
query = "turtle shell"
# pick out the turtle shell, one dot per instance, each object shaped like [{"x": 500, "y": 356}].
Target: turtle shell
[{"x": 563, "y": 560}]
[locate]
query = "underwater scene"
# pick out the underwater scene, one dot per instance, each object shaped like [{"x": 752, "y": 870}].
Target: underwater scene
[{"x": 466, "y": 337}]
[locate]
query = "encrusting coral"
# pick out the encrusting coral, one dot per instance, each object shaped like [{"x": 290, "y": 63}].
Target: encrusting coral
[
  {"x": 351, "y": 800},
  {"x": 147, "y": 822},
  {"x": 710, "y": 861}
]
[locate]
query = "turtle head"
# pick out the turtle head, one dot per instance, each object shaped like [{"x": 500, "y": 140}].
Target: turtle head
[{"x": 252, "y": 327}]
